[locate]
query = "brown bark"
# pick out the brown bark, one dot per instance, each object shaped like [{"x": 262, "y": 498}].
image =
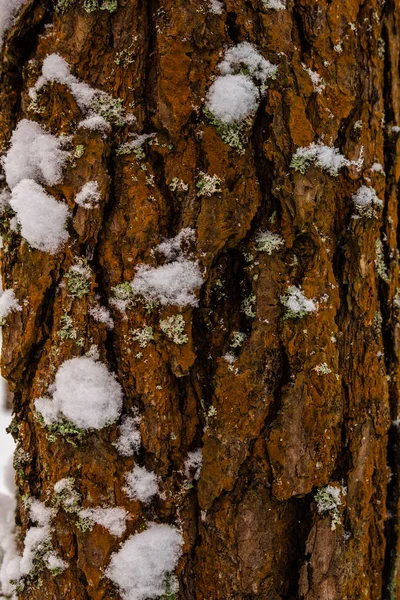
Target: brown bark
[{"x": 282, "y": 430}]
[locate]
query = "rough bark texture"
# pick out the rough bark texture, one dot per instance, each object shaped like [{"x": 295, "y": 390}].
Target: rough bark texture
[{"x": 280, "y": 429}]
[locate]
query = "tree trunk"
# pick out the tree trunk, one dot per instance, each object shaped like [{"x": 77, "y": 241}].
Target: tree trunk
[{"x": 284, "y": 370}]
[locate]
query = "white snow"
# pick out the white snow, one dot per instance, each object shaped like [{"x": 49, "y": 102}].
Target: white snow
[
  {"x": 173, "y": 283},
  {"x": 113, "y": 519},
  {"x": 85, "y": 393},
  {"x": 275, "y": 4},
  {"x": 34, "y": 154},
  {"x": 232, "y": 98},
  {"x": 53, "y": 561},
  {"x": 8, "y": 546},
  {"x": 89, "y": 195},
  {"x": 141, "y": 484},
  {"x": 36, "y": 538},
  {"x": 172, "y": 247},
  {"x": 8, "y": 304},
  {"x": 245, "y": 55},
  {"x": 318, "y": 83},
  {"x": 102, "y": 315},
  {"x": 193, "y": 464},
  {"x": 95, "y": 123},
  {"x": 140, "y": 567},
  {"x": 55, "y": 68},
  {"x": 324, "y": 157},
  {"x": 8, "y": 13},
  {"x": 365, "y": 201},
  {"x": 129, "y": 439},
  {"x": 216, "y": 7},
  {"x": 42, "y": 218},
  {"x": 377, "y": 168},
  {"x": 296, "y": 302}
]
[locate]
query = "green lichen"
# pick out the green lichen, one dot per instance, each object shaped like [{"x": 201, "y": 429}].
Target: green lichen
[
  {"x": 92, "y": 5},
  {"x": 208, "y": 185},
  {"x": 236, "y": 135},
  {"x": 248, "y": 306},
  {"x": 174, "y": 328},
  {"x": 79, "y": 151},
  {"x": 380, "y": 266},
  {"x": 67, "y": 330},
  {"x": 111, "y": 109},
  {"x": 78, "y": 279},
  {"x": 143, "y": 336}
]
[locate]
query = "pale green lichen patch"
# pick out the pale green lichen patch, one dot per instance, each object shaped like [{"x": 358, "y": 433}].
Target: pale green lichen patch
[
  {"x": 208, "y": 185},
  {"x": 329, "y": 499},
  {"x": 380, "y": 265},
  {"x": 78, "y": 279},
  {"x": 143, "y": 335},
  {"x": 174, "y": 328},
  {"x": 268, "y": 242}
]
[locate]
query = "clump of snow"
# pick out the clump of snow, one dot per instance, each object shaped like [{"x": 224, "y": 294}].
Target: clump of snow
[
  {"x": 85, "y": 393},
  {"x": 102, "y": 315},
  {"x": 366, "y": 202},
  {"x": 141, "y": 484},
  {"x": 8, "y": 13},
  {"x": 234, "y": 96},
  {"x": 8, "y": 304},
  {"x": 54, "y": 562},
  {"x": 34, "y": 154},
  {"x": 141, "y": 565},
  {"x": 89, "y": 195},
  {"x": 325, "y": 157},
  {"x": 377, "y": 168},
  {"x": 173, "y": 247},
  {"x": 216, "y": 7},
  {"x": 296, "y": 303},
  {"x": 193, "y": 464},
  {"x": 173, "y": 283},
  {"x": 55, "y": 68},
  {"x": 244, "y": 55},
  {"x": 274, "y": 4},
  {"x": 9, "y": 558},
  {"x": 37, "y": 539},
  {"x": 42, "y": 218},
  {"x": 95, "y": 123},
  {"x": 129, "y": 439},
  {"x": 113, "y": 519},
  {"x": 318, "y": 83}
]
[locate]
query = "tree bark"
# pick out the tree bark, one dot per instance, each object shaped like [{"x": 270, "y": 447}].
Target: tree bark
[{"x": 294, "y": 405}]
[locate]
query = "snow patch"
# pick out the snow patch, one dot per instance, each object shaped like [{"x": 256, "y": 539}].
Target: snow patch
[
  {"x": 129, "y": 439},
  {"x": 89, "y": 195},
  {"x": 325, "y": 157},
  {"x": 173, "y": 283},
  {"x": 102, "y": 315},
  {"x": 113, "y": 519},
  {"x": 42, "y": 218},
  {"x": 34, "y": 154},
  {"x": 141, "y": 565},
  {"x": 85, "y": 393},
  {"x": 193, "y": 464},
  {"x": 296, "y": 303},
  {"x": 95, "y": 123},
  {"x": 234, "y": 95},
  {"x": 366, "y": 202},
  {"x": 141, "y": 484},
  {"x": 8, "y": 304},
  {"x": 8, "y": 14}
]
